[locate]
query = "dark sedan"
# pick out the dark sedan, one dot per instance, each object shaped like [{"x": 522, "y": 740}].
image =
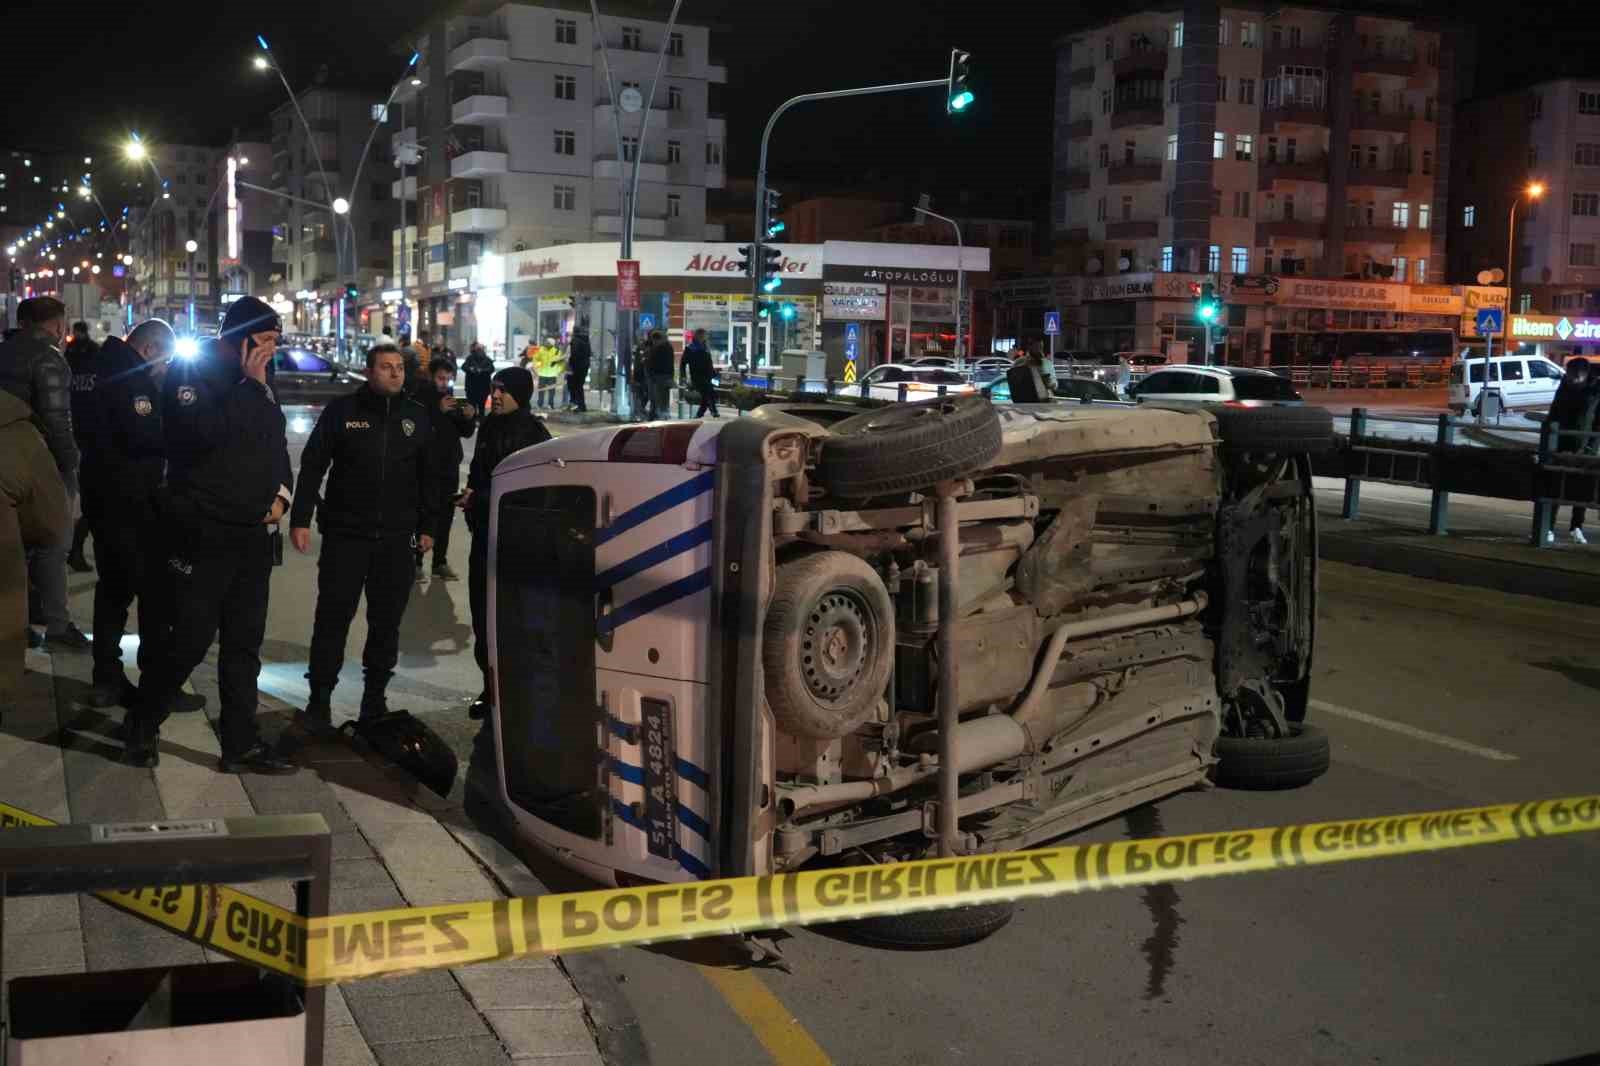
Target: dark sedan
[{"x": 304, "y": 377}]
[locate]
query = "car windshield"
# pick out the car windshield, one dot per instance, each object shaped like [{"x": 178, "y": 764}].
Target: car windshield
[
  {"x": 302, "y": 361},
  {"x": 1263, "y": 387}
]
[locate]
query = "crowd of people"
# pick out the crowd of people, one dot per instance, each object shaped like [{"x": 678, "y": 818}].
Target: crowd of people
[{"x": 182, "y": 472}]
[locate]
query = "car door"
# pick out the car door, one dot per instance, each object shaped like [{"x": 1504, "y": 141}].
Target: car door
[
  {"x": 883, "y": 383},
  {"x": 1167, "y": 385},
  {"x": 1544, "y": 377},
  {"x": 1513, "y": 382}
]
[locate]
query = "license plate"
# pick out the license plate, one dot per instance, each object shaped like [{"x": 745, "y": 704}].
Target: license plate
[{"x": 660, "y": 779}]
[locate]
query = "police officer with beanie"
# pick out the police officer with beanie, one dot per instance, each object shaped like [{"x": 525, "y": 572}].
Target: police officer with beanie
[
  {"x": 376, "y": 447},
  {"x": 228, "y": 479},
  {"x": 509, "y": 428}
]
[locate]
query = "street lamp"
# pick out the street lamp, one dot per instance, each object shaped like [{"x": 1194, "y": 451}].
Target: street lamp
[
  {"x": 1532, "y": 191},
  {"x": 191, "y": 246},
  {"x": 922, "y": 209}
]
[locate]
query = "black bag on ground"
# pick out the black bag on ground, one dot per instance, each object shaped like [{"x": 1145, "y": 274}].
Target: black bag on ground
[{"x": 411, "y": 744}]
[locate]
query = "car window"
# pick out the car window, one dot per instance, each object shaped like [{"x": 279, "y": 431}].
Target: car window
[
  {"x": 1538, "y": 368},
  {"x": 1263, "y": 387},
  {"x": 1456, "y": 374},
  {"x": 1511, "y": 370},
  {"x": 941, "y": 377},
  {"x": 1475, "y": 371},
  {"x": 302, "y": 362},
  {"x": 1166, "y": 383},
  {"x": 1205, "y": 383}
]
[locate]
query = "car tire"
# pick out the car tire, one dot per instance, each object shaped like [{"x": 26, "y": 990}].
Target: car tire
[
  {"x": 910, "y": 446},
  {"x": 929, "y": 930},
  {"x": 828, "y": 645},
  {"x": 1285, "y": 430},
  {"x": 1261, "y": 763}
]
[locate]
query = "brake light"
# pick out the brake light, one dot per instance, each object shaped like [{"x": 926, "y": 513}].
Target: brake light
[{"x": 653, "y": 444}]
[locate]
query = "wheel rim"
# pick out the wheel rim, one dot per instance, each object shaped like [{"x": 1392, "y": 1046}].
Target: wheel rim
[
  {"x": 896, "y": 417},
  {"x": 833, "y": 649}
]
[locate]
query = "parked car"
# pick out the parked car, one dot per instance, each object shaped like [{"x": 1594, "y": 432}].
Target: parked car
[
  {"x": 1238, "y": 386},
  {"x": 988, "y": 369},
  {"x": 921, "y": 382},
  {"x": 300, "y": 376},
  {"x": 1083, "y": 390},
  {"x": 943, "y": 361},
  {"x": 1524, "y": 381},
  {"x": 1140, "y": 364}
]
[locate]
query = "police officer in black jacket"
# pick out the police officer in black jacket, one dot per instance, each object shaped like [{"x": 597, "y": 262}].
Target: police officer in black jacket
[
  {"x": 83, "y": 358},
  {"x": 228, "y": 480},
  {"x": 383, "y": 490},
  {"x": 509, "y": 428}
]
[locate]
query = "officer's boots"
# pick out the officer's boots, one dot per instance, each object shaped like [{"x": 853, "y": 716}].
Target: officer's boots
[
  {"x": 319, "y": 710},
  {"x": 373, "y": 704}
]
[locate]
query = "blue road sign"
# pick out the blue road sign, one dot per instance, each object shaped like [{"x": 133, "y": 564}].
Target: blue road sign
[
  {"x": 1052, "y": 323},
  {"x": 1490, "y": 320},
  {"x": 647, "y": 322},
  {"x": 852, "y": 332}
]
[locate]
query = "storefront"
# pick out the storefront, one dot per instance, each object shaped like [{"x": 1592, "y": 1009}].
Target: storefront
[
  {"x": 1319, "y": 322},
  {"x": 899, "y": 301},
  {"x": 1557, "y": 337}
]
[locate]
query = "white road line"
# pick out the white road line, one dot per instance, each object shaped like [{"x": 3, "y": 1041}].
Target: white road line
[{"x": 1412, "y": 731}]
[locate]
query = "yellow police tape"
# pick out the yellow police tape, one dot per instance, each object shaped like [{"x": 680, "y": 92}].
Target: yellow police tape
[{"x": 346, "y": 947}]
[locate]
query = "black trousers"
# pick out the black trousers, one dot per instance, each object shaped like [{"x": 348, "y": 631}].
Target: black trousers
[
  {"x": 218, "y": 578},
  {"x": 130, "y": 564},
  {"x": 80, "y": 535},
  {"x": 348, "y": 566},
  {"x": 708, "y": 399},
  {"x": 575, "y": 385},
  {"x": 478, "y": 597}
]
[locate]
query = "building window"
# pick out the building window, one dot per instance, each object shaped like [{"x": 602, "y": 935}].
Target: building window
[
  {"x": 1166, "y": 259},
  {"x": 1247, "y": 90},
  {"x": 1424, "y": 216},
  {"x": 1100, "y": 210},
  {"x": 674, "y": 98},
  {"x": 1129, "y": 150},
  {"x": 1372, "y": 157},
  {"x": 1427, "y": 160},
  {"x": 1586, "y": 154},
  {"x": 566, "y": 197},
  {"x": 1216, "y": 202},
  {"x": 1172, "y": 146},
  {"x": 1222, "y": 90},
  {"x": 1533, "y": 156},
  {"x": 1244, "y": 147},
  {"x": 630, "y": 149},
  {"x": 1213, "y": 258},
  {"x": 1219, "y": 145},
  {"x": 1582, "y": 255},
  {"x": 1110, "y": 47},
  {"x": 1177, "y": 35},
  {"x": 674, "y": 151},
  {"x": 632, "y": 38},
  {"x": 566, "y": 31},
  {"x": 566, "y": 87},
  {"x": 1355, "y": 156},
  {"x": 1222, "y": 31},
  {"x": 1250, "y": 34},
  {"x": 1272, "y": 150},
  {"x": 1586, "y": 203},
  {"x": 1469, "y": 216},
  {"x": 1127, "y": 208},
  {"x": 1400, "y": 214},
  {"x": 1172, "y": 91},
  {"x": 1241, "y": 204},
  {"x": 1399, "y": 264},
  {"x": 1241, "y": 260},
  {"x": 1536, "y": 105},
  {"x": 1420, "y": 275},
  {"x": 1105, "y": 156},
  {"x": 1588, "y": 103},
  {"x": 1288, "y": 207},
  {"x": 1168, "y": 208},
  {"x": 675, "y": 45},
  {"x": 674, "y": 205},
  {"x": 1105, "y": 101},
  {"x": 713, "y": 153},
  {"x": 1429, "y": 108},
  {"x": 566, "y": 142},
  {"x": 1288, "y": 149}
]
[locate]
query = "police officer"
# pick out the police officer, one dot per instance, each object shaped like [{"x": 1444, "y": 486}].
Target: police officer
[
  {"x": 82, "y": 357},
  {"x": 509, "y": 428},
  {"x": 228, "y": 480},
  {"x": 383, "y": 490}
]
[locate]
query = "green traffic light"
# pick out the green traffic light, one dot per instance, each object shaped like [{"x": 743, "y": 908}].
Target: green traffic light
[
  {"x": 1208, "y": 312},
  {"x": 787, "y": 311},
  {"x": 961, "y": 100}
]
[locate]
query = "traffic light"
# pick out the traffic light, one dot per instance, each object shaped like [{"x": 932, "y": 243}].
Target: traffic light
[
  {"x": 786, "y": 312},
  {"x": 773, "y": 223},
  {"x": 352, "y": 291},
  {"x": 747, "y": 257},
  {"x": 764, "y": 309},
  {"x": 771, "y": 268},
  {"x": 1207, "y": 308},
  {"x": 958, "y": 96}
]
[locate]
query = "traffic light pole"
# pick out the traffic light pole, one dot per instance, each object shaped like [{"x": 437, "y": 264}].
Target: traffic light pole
[{"x": 760, "y": 234}]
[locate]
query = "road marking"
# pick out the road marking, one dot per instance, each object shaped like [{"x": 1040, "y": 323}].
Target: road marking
[
  {"x": 773, "y": 1024},
  {"x": 1413, "y": 732}
]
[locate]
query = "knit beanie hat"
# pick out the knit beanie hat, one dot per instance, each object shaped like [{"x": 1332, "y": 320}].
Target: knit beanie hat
[
  {"x": 246, "y": 316},
  {"x": 518, "y": 382}
]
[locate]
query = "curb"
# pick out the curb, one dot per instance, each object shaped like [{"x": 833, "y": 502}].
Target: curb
[{"x": 1499, "y": 575}]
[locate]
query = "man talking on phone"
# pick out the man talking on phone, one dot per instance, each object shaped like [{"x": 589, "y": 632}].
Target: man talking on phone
[{"x": 228, "y": 479}]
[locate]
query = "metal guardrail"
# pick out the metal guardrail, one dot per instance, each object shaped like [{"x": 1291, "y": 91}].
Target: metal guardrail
[{"x": 1544, "y": 476}]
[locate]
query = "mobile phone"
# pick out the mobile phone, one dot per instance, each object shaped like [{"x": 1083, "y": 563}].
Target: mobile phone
[{"x": 277, "y": 546}]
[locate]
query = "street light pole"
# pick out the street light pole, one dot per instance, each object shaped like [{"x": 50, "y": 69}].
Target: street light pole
[
  {"x": 960, "y": 257},
  {"x": 1533, "y": 191}
]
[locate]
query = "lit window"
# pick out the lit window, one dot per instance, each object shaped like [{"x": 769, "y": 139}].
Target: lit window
[
  {"x": 1172, "y": 146},
  {"x": 1166, "y": 259},
  {"x": 1424, "y": 217},
  {"x": 1243, "y": 146},
  {"x": 1241, "y": 261},
  {"x": 1219, "y": 145},
  {"x": 1400, "y": 214},
  {"x": 1469, "y": 216},
  {"x": 1214, "y": 258},
  {"x": 1399, "y": 264},
  {"x": 1177, "y": 35}
]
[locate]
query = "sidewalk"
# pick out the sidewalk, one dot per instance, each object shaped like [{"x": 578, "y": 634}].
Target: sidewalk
[{"x": 394, "y": 845}]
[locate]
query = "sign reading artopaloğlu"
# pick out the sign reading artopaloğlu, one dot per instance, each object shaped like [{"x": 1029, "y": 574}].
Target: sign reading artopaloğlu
[{"x": 348, "y": 947}]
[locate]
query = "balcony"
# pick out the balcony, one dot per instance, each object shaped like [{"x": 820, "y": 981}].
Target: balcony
[
  {"x": 1315, "y": 169},
  {"x": 407, "y": 191},
  {"x": 479, "y": 164},
  {"x": 479, "y": 53},
  {"x": 1132, "y": 229},
  {"x": 1075, "y": 178},
  {"x": 1395, "y": 66},
  {"x": 479, "y": 107},
  {"x": 1144, "y": 114},
  {"x": 478, "y": 220},
  {"x": 1374, "y": 178},
  {"x": 611, "y": 223},
  {"x": 1135, "y": 173},
  {"x": 1301, "y": 56},
  {"x": 1300, "y": 113},
  {"x": 1300, "y": 229},
  {"x": 1079, "y": 128},
  {"x": 1144, "y": 59},
  {"x": 1383, "y": 121},
  {"x": 1379, "y": 234},
  {"x": 607, "y": 167},
  {"x": 1081, "y": 76}
]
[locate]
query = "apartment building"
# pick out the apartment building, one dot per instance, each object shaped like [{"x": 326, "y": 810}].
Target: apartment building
[
  {"x": 522, "y": 145},
  {"x": 241, "y": 222},
  {"x": 165, "y": 274},
  {"x": 1547, "y": 134}
]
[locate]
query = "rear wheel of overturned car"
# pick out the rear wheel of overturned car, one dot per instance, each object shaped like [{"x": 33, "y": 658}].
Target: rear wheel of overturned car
[
  {"x": 828, "y": 643},
  {"x": 1273, "y": 762},
  {"x": 926, "y": 930},
  {"x": 1284, "y": 430},
  {"x": 909, "y": 446}
]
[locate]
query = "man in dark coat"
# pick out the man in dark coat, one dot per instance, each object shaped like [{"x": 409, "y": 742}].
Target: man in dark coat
[
  {"x": 1574, "y": 410},
  {"x": 510, "y": 428},
  {"x": 701, "y": 373},
  {"x": 33, "y": 512},
  {"x": 82, "y": 356},
  {"x": 479, "y": 371},
  {"x": 660, "y": 362},
  {"x": 578, "y": 357},
  {"x": 454, "y": 421}
]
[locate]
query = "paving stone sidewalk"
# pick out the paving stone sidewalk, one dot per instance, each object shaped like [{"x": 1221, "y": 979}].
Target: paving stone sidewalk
[{"x": 391, "y": 848}]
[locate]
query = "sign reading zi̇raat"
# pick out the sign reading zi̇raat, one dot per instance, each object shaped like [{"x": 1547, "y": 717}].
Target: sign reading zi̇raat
[{"x": 1554, "y": 328}]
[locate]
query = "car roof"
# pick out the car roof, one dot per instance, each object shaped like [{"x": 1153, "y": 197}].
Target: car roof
[{"x": 1221, "y": 371}]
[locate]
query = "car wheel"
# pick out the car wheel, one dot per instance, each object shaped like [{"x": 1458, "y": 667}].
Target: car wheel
[
  {"x": 909, "y": 446},
  {"x": 1285, "y": 430},
  {"x": 828, "y": 645},
  {"x": 929, "y": 930},
  {"x": 1265, "y": 763}
]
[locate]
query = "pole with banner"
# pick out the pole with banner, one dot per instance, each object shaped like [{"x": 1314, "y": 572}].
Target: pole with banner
[{"x": 627, "y": 284}]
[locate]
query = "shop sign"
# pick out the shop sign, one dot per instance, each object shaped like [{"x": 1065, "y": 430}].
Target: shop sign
[
  {"x": 854, "y": 300},
  {"x": 390, "y": 296},
  {"x": 893, "y": 275},
  {"x": 1120, "y": 287},
  {"x": 538, "y": 268},
  {"x": 1554, "y": 328},
  {"x": 458, "y": 283},
  {"x": 1342, "y": 295},
  {"x": 1435, "y": 300},
  {"x": 1249, "y": 288},
  {"x": 1474, "y": 299}
]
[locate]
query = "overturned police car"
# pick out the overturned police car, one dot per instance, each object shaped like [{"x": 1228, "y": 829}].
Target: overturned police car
[{"x": 822, "y": 636}]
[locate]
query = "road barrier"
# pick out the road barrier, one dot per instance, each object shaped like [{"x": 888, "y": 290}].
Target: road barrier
[{"x": 347, "y": 947}]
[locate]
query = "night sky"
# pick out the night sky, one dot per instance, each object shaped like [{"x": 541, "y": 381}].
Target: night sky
[{"x": 180, "y": 72}]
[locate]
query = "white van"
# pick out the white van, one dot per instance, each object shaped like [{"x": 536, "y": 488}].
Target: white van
[{"x": 1525, "y": 381}]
